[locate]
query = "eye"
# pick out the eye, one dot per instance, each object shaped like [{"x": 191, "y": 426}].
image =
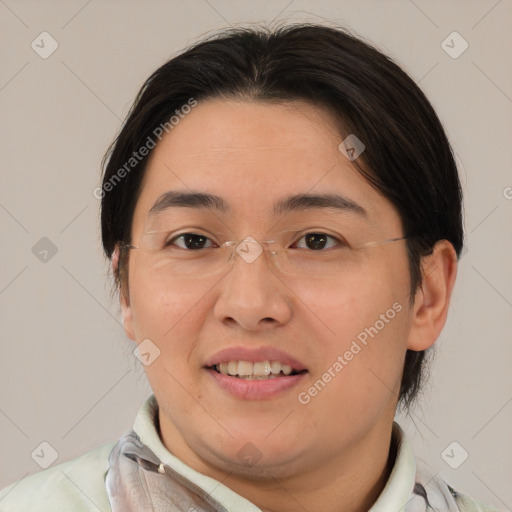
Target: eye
[
  {"x": 318, "y": 241},
  {"x": 190, "y": 241}
]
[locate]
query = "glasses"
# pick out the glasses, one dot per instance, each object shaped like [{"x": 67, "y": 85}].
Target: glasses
[{"x": 195, "y": 255}]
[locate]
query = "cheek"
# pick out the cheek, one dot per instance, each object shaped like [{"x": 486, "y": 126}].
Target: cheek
[
  {"x": 350, "y": 303},
  {"x": 172, "y": 321},
  {"x": 363, "y": 335},
  {"x": 360, "y": 377},
  {"x": 159, "y": 309}
]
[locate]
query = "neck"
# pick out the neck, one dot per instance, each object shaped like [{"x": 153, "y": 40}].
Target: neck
[{"x": 350, "y": 481}]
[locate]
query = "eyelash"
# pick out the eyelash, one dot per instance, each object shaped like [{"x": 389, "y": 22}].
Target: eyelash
[{"x": 340, "y": 242}]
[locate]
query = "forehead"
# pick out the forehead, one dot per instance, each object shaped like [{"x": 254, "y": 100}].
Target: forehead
[
  {"x": 241, "y": 135},
  {"x": 254, "y": 154}
]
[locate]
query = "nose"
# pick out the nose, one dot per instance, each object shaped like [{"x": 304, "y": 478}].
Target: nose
[{"x": 252, "y": 296}]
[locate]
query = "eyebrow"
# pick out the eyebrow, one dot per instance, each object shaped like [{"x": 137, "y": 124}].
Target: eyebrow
[
  {"x": 307, "y": 201},
  {"x": 298, "y": 202}
]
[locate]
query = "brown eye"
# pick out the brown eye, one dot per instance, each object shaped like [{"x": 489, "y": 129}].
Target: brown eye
[
  {"x": 317, "y": 241},
  {"x": 190, "y": 241}
]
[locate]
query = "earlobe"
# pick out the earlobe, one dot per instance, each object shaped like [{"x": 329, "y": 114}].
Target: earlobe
[
  {"x": 127, "y": 315},
  {"x": 432, "y": 298},
  {"x": 124, "y": 299}
]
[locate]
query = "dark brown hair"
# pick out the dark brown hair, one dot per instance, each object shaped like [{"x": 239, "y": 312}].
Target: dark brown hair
[{"x": 407, "y": 155}]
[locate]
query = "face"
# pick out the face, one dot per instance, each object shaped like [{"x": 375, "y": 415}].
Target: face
[{"x": 344, "y": 333}]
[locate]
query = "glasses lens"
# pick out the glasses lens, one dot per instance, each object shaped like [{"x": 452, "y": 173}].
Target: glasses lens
[{"x": 182, "y": 249}]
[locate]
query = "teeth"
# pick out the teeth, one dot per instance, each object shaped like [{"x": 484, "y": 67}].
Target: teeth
[
  {"x": 245, "y": 368},
  {"x": 260, "y": 370},
  {"x": 257, "y": 377},
  {"x": 275, "y": 367},
  {"x": 233, "y": 367},
  {"x": 286, "y": 369}
]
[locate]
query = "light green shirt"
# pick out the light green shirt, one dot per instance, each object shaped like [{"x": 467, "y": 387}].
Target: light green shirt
[{"x": 79, "y": 485}]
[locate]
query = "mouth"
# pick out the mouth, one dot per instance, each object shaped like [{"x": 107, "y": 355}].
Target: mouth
[
  {"x": 256, "y": 373},
  {"x": 258, "y": 370}
]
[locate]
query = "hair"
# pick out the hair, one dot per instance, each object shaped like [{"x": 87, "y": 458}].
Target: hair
[{"x": 407, "y": 156}]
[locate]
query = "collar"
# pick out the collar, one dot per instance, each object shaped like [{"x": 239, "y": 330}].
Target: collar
[{"x": 145, "y": 428}]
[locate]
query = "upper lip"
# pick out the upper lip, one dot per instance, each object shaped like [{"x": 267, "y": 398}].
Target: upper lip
[{"x": 254, "y": 355}]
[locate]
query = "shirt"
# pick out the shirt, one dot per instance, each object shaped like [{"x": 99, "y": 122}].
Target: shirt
[{"x": 79, "y": 485}]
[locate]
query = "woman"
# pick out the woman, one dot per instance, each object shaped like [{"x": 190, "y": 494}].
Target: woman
[{"x": 283, "y": 214}]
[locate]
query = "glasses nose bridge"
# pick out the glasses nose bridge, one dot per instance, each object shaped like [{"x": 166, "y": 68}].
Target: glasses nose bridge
[{"x": 249, "y": 250}]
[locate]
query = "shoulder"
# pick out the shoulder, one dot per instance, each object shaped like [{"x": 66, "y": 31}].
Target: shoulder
[{"x": 76, "y": 485}]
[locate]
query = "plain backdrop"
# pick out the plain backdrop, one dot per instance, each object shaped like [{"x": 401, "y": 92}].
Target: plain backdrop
[{"x": 67, "y": 373}]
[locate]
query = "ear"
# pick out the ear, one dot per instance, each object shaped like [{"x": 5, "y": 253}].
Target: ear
[
  {"x": 432, "y": 298},
  {"x": 124, "y": 298}
]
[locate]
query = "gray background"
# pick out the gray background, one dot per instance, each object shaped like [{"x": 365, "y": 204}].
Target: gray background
[{"x": 67, "y": 372}]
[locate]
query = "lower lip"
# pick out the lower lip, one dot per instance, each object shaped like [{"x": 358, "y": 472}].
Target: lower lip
[{"x": 255, "y": 389}]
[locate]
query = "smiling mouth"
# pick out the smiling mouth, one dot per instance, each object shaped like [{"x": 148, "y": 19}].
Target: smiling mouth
[{"x": 260, "y": 370}]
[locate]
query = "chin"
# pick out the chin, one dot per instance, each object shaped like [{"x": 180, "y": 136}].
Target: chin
[
  {"x": 246, "y": 454},
  {"x": 264, "y": 465}
]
